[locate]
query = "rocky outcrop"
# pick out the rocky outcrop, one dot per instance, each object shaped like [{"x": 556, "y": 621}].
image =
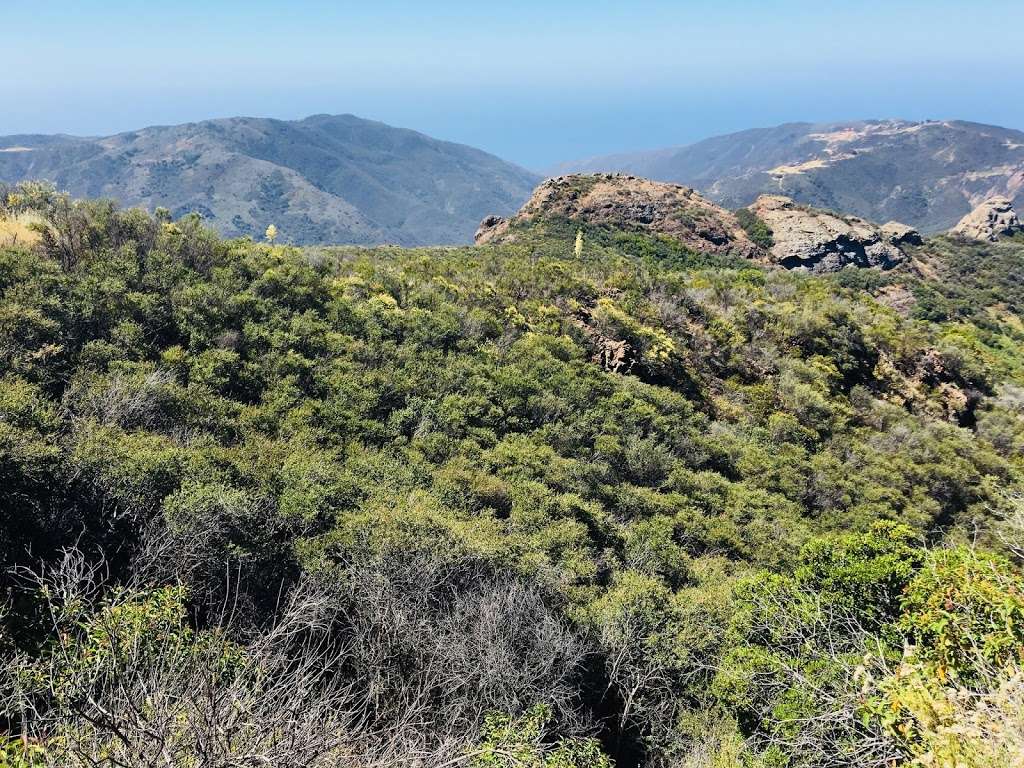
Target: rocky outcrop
[
  {"x": 991, "y": 220},
  {"x": 928, "y": 385},
  {"x": 819, "y": 241},
  {"x": 802, "y": 237},
  {"x": 901, "y": 234},
  {"x": 491, "y": 228},
  {"x": 631, "y": 203}
]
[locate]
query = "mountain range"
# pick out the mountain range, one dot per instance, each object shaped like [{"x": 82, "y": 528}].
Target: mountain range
[
  {"x": 927, "y": 174},
  {"x": 342, "y": 179},
  {"x": 325, "y": 179}
]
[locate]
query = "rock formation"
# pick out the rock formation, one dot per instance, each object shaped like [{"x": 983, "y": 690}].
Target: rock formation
[
  {"x": 991, "y": 220},
  {"x": 901, "y": 234},
  {"x": 803, "y": 237},
  {"x": 632, "y": 203},
  {"x": 819, "y": 241},
  {"x": 491, "y": 228}
]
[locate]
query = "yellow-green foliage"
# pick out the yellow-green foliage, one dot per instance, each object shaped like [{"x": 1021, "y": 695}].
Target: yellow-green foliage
[
  {"x": 521, "y": 742},
  {"x": 953, "y": 725},
  {"x": 965, "y": 609},
  {"x": 655, "y": 345},
  {"x": 956, "y": 698},
  {"x": 14, "y": 753}
]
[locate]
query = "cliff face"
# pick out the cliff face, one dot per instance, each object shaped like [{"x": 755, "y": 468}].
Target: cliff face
[
  {"x": 631, "y": 203},
  {"x": 819, "y": 241}
]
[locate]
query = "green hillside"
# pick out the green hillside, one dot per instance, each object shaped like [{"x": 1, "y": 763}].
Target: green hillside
[{"x": 583, "y": 498}]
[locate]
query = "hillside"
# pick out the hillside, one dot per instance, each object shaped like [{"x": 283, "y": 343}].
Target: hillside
[
  {"x": 337, "y": 179},
  {"x": 926, "y": 174},
  {"x": 579, "y": 498}
]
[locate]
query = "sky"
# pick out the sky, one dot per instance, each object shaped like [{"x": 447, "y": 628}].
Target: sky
[{"x": 534, "y": 82}]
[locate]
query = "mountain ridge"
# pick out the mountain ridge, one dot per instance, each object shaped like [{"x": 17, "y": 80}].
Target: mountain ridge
[
  {"x": 325, "y": 178},
  {"x": 926, "y": 173}
]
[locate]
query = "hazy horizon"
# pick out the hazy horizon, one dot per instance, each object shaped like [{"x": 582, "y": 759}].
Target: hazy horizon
[{"x": 538, "y": 86}]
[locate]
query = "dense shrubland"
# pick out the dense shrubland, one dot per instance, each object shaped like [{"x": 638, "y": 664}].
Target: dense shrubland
[{"x": 505, "y": 506}]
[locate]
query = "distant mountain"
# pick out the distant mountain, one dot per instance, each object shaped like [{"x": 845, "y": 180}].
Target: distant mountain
[
  {"x": 927, "y": 174},
  {"x": 325, "y": 179}
]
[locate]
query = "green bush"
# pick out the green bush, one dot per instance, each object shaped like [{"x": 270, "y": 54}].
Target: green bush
[{"x": 755, "y": 227}]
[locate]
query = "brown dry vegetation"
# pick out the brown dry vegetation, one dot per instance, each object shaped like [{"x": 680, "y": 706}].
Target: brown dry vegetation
[{"x": 17, "y": 230}]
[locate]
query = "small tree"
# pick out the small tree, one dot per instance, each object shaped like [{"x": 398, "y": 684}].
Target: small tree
[
  {"x": 578, "y": 249},
  {"x": 271, "y": 234}
]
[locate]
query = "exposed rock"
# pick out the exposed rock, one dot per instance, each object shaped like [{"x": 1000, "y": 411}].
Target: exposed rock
[
  {"x": 901, "y": 234},
  {"x": 927, "y": 386},
  {"x": 819, "y": 241},
  {"x": 989, "y": 221},
  {"x": 629, "y": 202},
  {"x": 804, "y": 237},
  {"x": 491, "y": 228},
  {"x": 613, "y": 355}
]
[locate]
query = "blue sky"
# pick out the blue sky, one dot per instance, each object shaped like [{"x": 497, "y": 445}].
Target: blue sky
[{"x": 535, "y": 82}]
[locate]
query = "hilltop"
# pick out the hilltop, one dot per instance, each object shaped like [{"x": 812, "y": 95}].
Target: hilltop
[
  {"x": 630, "y": 203},
  {"x": 926, "y": 174},
  {"x": 338, "y": 179},
  {"x": 774, "y": 230}
]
